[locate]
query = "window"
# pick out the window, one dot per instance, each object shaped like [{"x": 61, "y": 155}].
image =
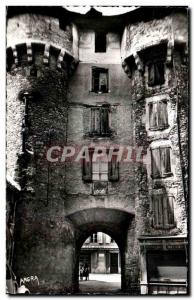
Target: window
[
  {"x": 158, "y": 116},
  {"x": 100, "y": 121},
  {"x": 99, "y": 80},
  {"x": 156, "y": 73},
  {"x": 161, "y": 162},
  {"x": 163, "y": 211},
  {"x": 94, "y": 238},
  {"x": 100, "y": 169},
  {"x": 100, "y": 42}
]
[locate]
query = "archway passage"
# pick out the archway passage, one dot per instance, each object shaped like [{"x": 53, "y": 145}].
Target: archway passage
[
  {"x": 113, "y": 222},
  {"x": 99, "y": 265}
]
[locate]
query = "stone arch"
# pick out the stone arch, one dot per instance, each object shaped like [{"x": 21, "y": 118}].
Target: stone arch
[{"x": 113, "y": 222}]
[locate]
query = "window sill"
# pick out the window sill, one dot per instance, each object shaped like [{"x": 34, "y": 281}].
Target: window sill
[
  {"x": 158, "y": 128},
  {"x": 164, "y": 227},
  {"x": 162, "y": 176},
  {"x": 99, "y": 92}
]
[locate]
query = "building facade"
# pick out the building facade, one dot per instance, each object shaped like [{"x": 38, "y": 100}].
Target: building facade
[
  {"x": 101, "y": 254},
  {"x": 77, "y": 83}
]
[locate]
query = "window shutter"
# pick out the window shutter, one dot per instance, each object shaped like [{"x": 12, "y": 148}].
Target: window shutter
[
  {"x": 86, "y": 120},
  {"x": 87, "y": 168},
  {"x": 165, "y": 210},
  {"x": 155, "y": 160},
  {"x": 113, "y": 171},
  {"x": 170, "y": 210},
  {"x": 162, "y": 114},
  {"x": 113, "y": 119},
  {"x": 153, "y": 115},
  {"x": 165, "y": 161},
  {"x": 104, "y": 120},
  {"x": 95, "y": 120}
]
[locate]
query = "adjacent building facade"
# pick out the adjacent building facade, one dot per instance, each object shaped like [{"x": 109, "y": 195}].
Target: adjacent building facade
[
  {"x": 101, "y": 254},
  {"x": 77, "y": 83}
]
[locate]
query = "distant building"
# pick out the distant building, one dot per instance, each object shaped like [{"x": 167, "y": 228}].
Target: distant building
[{"x": 101, "y": 253}]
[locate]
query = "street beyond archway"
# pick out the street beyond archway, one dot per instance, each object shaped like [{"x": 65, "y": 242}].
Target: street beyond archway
[{"x": 101, "y": 284}]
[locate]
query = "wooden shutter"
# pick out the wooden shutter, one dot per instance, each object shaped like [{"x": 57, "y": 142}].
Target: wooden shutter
[
  {"x": 95, "y": 120},
  {"x": 162, "y": 114},
  {"x": 153, "y": 120},
  {"x": 104, "y": 116},
  {"x": 86, "y": 120},
  {"x": 170, "y": 210},
  {"x": 113, "y": 170},
  {"x": 165, "y": 161},
  {"x": 155, "y": 162},
  {"x": 87, "y": 168}
]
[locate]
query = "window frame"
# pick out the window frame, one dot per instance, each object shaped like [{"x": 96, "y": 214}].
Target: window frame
[
  {"x": 110, "y": 176},
  {"x": 98, "y": 71}
]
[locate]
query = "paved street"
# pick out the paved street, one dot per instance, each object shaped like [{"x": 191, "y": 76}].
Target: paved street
[{"x": 101, "y": 284}]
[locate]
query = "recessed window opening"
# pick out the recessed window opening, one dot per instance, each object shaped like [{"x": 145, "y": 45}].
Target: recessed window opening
[
  {"x": 100, "y": 42},
  {"x": 99, "y": 80}
]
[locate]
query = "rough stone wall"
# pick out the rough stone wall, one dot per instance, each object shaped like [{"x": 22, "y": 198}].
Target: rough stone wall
[{"x": 38, "y": 28}]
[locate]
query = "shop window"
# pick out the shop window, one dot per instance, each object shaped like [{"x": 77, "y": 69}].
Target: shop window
[
  {"x": 161, "y": 162},
  {"x": 99, "y": 80},
  {"x": 100, "y": 42},
  {"x": 158, "y": 115},
  {"x": 163, "y": 211}
]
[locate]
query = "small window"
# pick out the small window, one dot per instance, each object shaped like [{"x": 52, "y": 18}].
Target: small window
[
  {"x": 163, "y": 211},
  {"x": 99, "y": 80},
  {"x": 161, "y": 162},
  {"x": 158, "y": 115},
  {"x": 100, "y": 121},
  {"x": 156, "y": 73},
  {"x": 100, "y": 42}
]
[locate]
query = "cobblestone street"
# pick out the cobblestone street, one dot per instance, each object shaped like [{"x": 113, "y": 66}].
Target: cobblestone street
[{"x": 101, "y": 284}]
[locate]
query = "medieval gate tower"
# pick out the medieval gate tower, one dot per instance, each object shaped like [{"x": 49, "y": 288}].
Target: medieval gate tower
[{"x": 65, "y": 88}]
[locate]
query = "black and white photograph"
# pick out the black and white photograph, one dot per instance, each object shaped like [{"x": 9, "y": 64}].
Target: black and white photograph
[{"x": 97, "y": 150}]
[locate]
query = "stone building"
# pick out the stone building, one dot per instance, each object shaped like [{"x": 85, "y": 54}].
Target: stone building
[
  {"x": 76, "y": 81},
  {"x": 101, "y": 254}
]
